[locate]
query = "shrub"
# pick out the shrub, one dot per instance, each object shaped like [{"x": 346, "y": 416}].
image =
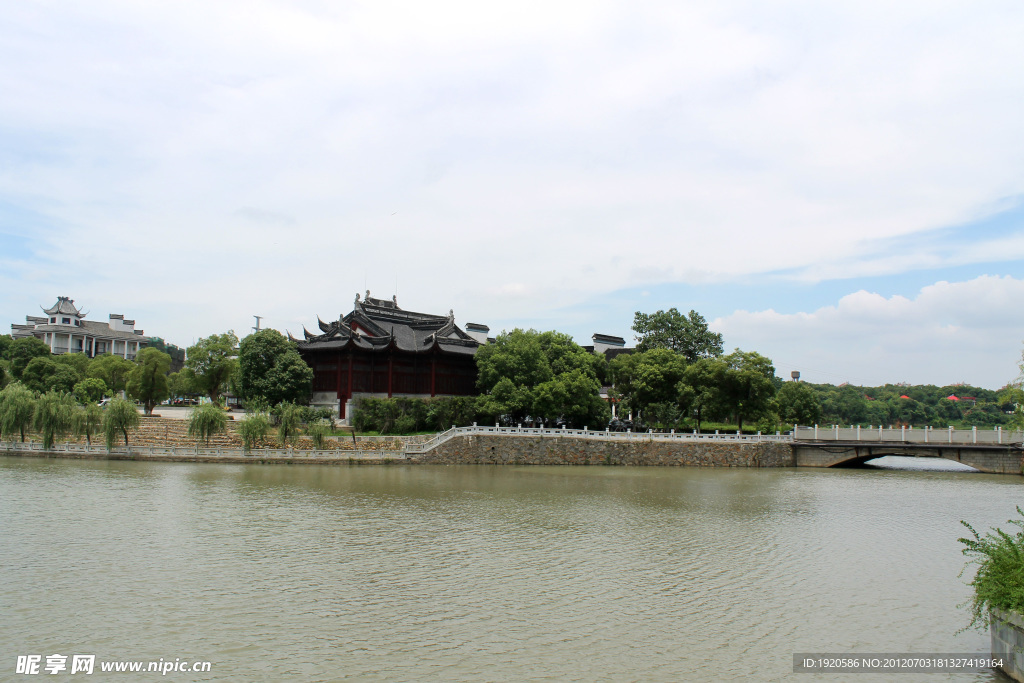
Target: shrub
[
  {"x": 53, "y": 416},
  {"x": 120, "y": 416},
  {"x": 207, "y": 420},
  {"x": 252, "y": 428},
  {"x": 999, "y": 581},
  {"x": 317, "y": 431}
]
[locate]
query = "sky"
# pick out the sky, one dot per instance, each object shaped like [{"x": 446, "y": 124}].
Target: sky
[{"x": 838, "y": 186}]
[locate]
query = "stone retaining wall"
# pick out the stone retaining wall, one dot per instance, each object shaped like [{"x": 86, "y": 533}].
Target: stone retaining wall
[
  {"x": 534, "y": 450},
  {"x": 1007, "y": 632}
]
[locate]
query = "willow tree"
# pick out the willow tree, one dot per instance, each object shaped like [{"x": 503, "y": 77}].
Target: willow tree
[
  {"x": 119, "y": 417},
  {"x": 87, "y": 420},
  {"x": 147, "y": 381},
  {"x": 288, "y": 425},
  {"x": 205, "y": 421},
  {"x": 252, "y": 428},
  {"x": 17, "y": 408},
  {"x": 53, "y": 416}
]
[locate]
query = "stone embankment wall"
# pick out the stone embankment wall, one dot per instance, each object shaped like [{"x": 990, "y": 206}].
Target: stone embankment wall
[
  {"x": 535, "y": 450},
  {"x": 1007, "y": 633}
]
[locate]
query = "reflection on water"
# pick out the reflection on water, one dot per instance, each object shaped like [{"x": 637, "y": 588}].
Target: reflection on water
[{"x": 486, "y": 573}]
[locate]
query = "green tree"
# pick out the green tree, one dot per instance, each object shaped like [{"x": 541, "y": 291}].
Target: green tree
[
  {"x": 317, "y": 431},
  {"x": 118, "y": 418},
  {"x": 5, "y": 346},
  {"x": 544, "y": 375},
  {"x": 685, "y": 334},
  {"x": 575, "y": 396},
  {"x": 90, "y": 390},
  {"x": 252, "y": 428},
  {"x": 702, "y": 388},
  {"x": 647, "y": 378},
  {"x": 17, "y": 408},
  {"x": 147, "y": 382},
  {"x": 4, "y": 376},
  {"x": 53, "y": 416},
  {"x": 289, "y": 418},
  {"x": 749, "y": 385},
  {"x": 78, "y": 361},
  {"x": 182, "y": 383},
  {"x": 113, "y": 370},
  {"x": 87, "y": 420},
  {"x": 176, "y": 353},
  {"x": 22, "y": 351},
  {"x": 39, "y": 373},
  {"x": 213, "y": 363},
  {"x": 64, "y": 379},
  {"x": 798, "y": 404},
  {"x": 206, "y": 420},
  {"x": 270, "y": 369}
]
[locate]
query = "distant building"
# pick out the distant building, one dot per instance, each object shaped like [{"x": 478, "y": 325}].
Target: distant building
[
  {"x": 65, "y": 330},
  {"x": 379, "y": 350}
]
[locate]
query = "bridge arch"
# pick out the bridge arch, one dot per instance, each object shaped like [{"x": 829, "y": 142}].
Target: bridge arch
[{"x": 990, "y": 459}]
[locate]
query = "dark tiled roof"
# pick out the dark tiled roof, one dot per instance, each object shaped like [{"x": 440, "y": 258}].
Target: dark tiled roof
[
  {"x": 64, "y": 306},
  {"x": 93, "y": 329},
  {"x": 376, "y": 324},
  {"x": 609, "y": 339}
]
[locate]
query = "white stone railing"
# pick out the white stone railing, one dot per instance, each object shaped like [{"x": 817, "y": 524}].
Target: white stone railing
[
  {"x": 922, "y": 435},
  {"x": 430, "y": 444}
]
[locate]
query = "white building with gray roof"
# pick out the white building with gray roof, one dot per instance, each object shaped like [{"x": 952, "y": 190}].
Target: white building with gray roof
[{"x": 65, "y": 330}]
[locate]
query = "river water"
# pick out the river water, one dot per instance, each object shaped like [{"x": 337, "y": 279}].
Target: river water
[{"x": 485, "y": 573}]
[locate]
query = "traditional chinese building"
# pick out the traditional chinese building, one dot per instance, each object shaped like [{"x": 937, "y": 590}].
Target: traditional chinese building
[
  {"x": 65, "y": 330},
  {"x": 380, "y": 350}
]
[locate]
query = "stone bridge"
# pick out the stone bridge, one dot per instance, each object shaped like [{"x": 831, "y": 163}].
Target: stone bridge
[{"x": 995, "y": 451}]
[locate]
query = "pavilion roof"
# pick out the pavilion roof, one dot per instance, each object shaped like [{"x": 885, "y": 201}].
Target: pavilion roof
[
  {"x": 64, "y": 306},
  {"x": 376, "y": 324}
]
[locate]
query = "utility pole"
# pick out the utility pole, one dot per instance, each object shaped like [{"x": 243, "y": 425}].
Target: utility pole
[{"x": 258, "y": 319}]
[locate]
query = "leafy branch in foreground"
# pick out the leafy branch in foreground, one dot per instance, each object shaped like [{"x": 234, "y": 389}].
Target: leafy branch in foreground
[{"x": 999, "y": 581}]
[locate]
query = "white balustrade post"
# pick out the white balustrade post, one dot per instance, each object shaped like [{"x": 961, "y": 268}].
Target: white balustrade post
[
  {"x": 835, "y": 432},
  {"x": 927, "y": 428},
  {"x": 903, "y": 432},
  {"x": 950, "y": 433},
  {"x": 974, "y": 434},
  {"x": 879, "y": 432},
  {"x": 858, "y": 432},
  {"x": 815, "y": 432},
  {"x": 999, "y": 435}
]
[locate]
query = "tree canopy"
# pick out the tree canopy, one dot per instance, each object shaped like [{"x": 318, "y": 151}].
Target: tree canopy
[
  {"x": 212, "y": 363},
  {"x": 271, "y": 370},
  {"x": 685, "y": 334},
  {"x": 147, "y": 382},
  {"x": 540, "y": 375},
  {"x": 22, "y": 351},
  {"x": 113, "y": 370}
]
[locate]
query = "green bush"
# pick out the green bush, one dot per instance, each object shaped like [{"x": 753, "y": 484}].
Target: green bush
[
  {"x": 405, "y": 415},
  {"x": 999, "y": 581},
  {"x": 207, "y": 420},
  {"x": 252, "y": 428}
]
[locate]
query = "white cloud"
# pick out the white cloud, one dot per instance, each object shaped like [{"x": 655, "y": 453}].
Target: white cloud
[
  {"x": 950, "y": 332},
  {"x": 503, "y": 159}
]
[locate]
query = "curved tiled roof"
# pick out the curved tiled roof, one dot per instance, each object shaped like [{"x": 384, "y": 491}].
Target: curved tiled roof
[{"x": 377, "y": 325}]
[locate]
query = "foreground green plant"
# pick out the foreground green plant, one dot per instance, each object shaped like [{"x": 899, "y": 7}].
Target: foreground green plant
[
  {"x": 17, "y": 406},
  {"x": 207, "y": 420},
  {"x": 53, "y": 416},
  {"x": 119, "y": 417},
  {"x": 999, "y": 581},
  {"x": 317, "y": 431},
  {"x": 87, "y": 420},
  {"x": 252, "y": 428}
]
